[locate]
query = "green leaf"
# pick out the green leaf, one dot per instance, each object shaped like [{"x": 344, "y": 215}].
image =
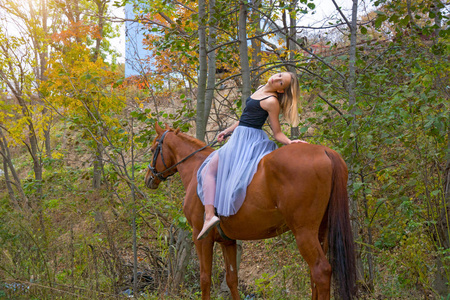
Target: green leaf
[
  {"x": 435, "y": 193},
  {"x": 444, "y": 33},
  {"x": 380, "y": 20},
  {"x": 405, "y": 21},
  {"x": 134, "y": 114},
  {"x": 363, "y": 30}
]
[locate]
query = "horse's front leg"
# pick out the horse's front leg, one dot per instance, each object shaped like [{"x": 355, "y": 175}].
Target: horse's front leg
[
  {"x": 229, "y": 250},
  {"x": 205, "y": 255}
]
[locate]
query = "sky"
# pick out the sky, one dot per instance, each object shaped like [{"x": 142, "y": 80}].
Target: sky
[{"x": 119, "y": 42}]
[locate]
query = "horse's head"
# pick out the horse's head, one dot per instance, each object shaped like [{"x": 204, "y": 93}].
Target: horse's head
[{"x": 163, "y": 164}]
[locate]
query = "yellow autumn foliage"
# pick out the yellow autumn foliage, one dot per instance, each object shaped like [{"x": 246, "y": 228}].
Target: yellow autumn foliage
[{"x": 77, "y": 85}]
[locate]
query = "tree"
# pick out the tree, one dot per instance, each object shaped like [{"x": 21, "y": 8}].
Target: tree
[
  {"x": 85, "y": 29},
  {"x": 243, "y": 52},
  {"x": 211, "y": 81},
  {"x": 25, "y": 121},
  {"x": 202, "y": 74},
  {"x": 8, "y": 166},
  {"x": 82, "y": 87},
  {"x": 255, "y": 18}
]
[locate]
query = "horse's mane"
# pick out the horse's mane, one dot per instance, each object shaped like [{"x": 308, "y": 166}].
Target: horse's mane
[{"x": 191, "y": 140}]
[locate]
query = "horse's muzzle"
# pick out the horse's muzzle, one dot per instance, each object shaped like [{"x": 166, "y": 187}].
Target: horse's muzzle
[{"x": 150, "y": 181}]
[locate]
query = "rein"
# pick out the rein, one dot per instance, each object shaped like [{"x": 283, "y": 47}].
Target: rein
[{"x": 158, "y": 150}]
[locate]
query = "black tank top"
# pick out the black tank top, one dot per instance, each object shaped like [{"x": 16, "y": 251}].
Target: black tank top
[{"x": 254, "y": 115}]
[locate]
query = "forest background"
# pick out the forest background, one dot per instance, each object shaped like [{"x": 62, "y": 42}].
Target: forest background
[{"x": 76, "y": 219}]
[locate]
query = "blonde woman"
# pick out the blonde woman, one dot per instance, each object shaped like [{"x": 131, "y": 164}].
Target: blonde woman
[{"x": 224, "y": 176}]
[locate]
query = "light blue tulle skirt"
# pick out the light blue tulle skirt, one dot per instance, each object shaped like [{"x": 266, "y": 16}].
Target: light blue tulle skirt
[{"x": 227, "y": 172}]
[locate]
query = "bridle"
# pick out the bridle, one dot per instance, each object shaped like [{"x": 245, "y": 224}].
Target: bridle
[{"x": 158, "y": 151}]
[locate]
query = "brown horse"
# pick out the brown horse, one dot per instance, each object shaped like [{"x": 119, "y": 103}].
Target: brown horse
[{"x": 300, "y": 187}]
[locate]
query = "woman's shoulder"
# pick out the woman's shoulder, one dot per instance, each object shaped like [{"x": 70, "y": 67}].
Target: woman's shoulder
[
  {"x": 270, "y": 103},
  {"x": 263, "y": 97}
]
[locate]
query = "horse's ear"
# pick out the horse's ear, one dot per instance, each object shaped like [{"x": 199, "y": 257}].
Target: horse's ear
[
  {"x": 167, "y": 126},
  {"x": 177, "y": 131},
  {"x": 158, "y": 128}
]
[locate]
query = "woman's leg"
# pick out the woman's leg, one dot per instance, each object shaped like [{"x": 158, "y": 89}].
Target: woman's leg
[
  {"x": 209, "y": 186},
  {"x": 209, "y": 193}
]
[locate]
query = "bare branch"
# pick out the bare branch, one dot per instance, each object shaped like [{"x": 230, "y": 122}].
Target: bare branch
[
  {"x": 332, "y": 106},
  {"x": 342, "y": 14}
]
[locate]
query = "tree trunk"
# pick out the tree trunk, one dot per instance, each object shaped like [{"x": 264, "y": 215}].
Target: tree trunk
[
  {"x": 369, "y": 252},
  {"x": 181, "y": 257},
  {"x": 295, "y": 132},
  {"x": 437, "y": 19},
  {"x": 47, "y": 141},
  {"x": 352, "y": 101},
  {"x": 43, "y": 66},
  {"x": 98, "y": 166},
  {"x": 256, "y": 44},
  {"x": 352, "y": 55},
  {"x": 134, "y": 215},
  {"x": 441, "y": 283},
  {"x": 12, "y": 197},
  {"x": 441, "y": 279},
  {"x": 203, "y": 69},
  {"x": 7, "y": 164},
  {"x": 243, "y": 53},
  {"x": 101, "y": 22},
  {"x": 37, "y": 165},
  {"x": 209, "y": 95}
]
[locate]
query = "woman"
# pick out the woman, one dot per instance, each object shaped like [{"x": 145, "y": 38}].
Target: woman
[{"x": 225, "y": 174}]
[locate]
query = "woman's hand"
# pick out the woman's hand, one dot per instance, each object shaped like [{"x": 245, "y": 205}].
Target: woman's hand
[
  {"x": 227, "y": 132},
  {"x": 223, "y": 136},
  {"x": 298, "y": 141}
]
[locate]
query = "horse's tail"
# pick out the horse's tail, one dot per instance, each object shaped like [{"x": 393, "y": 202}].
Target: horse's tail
[{"x": 340, "y": 237}]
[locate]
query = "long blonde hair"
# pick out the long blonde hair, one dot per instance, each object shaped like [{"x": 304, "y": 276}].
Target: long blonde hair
[{"x": 289, "y": 101}]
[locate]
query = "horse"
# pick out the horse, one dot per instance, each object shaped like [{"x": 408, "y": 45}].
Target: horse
[{"x": 300, "y": 187}]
